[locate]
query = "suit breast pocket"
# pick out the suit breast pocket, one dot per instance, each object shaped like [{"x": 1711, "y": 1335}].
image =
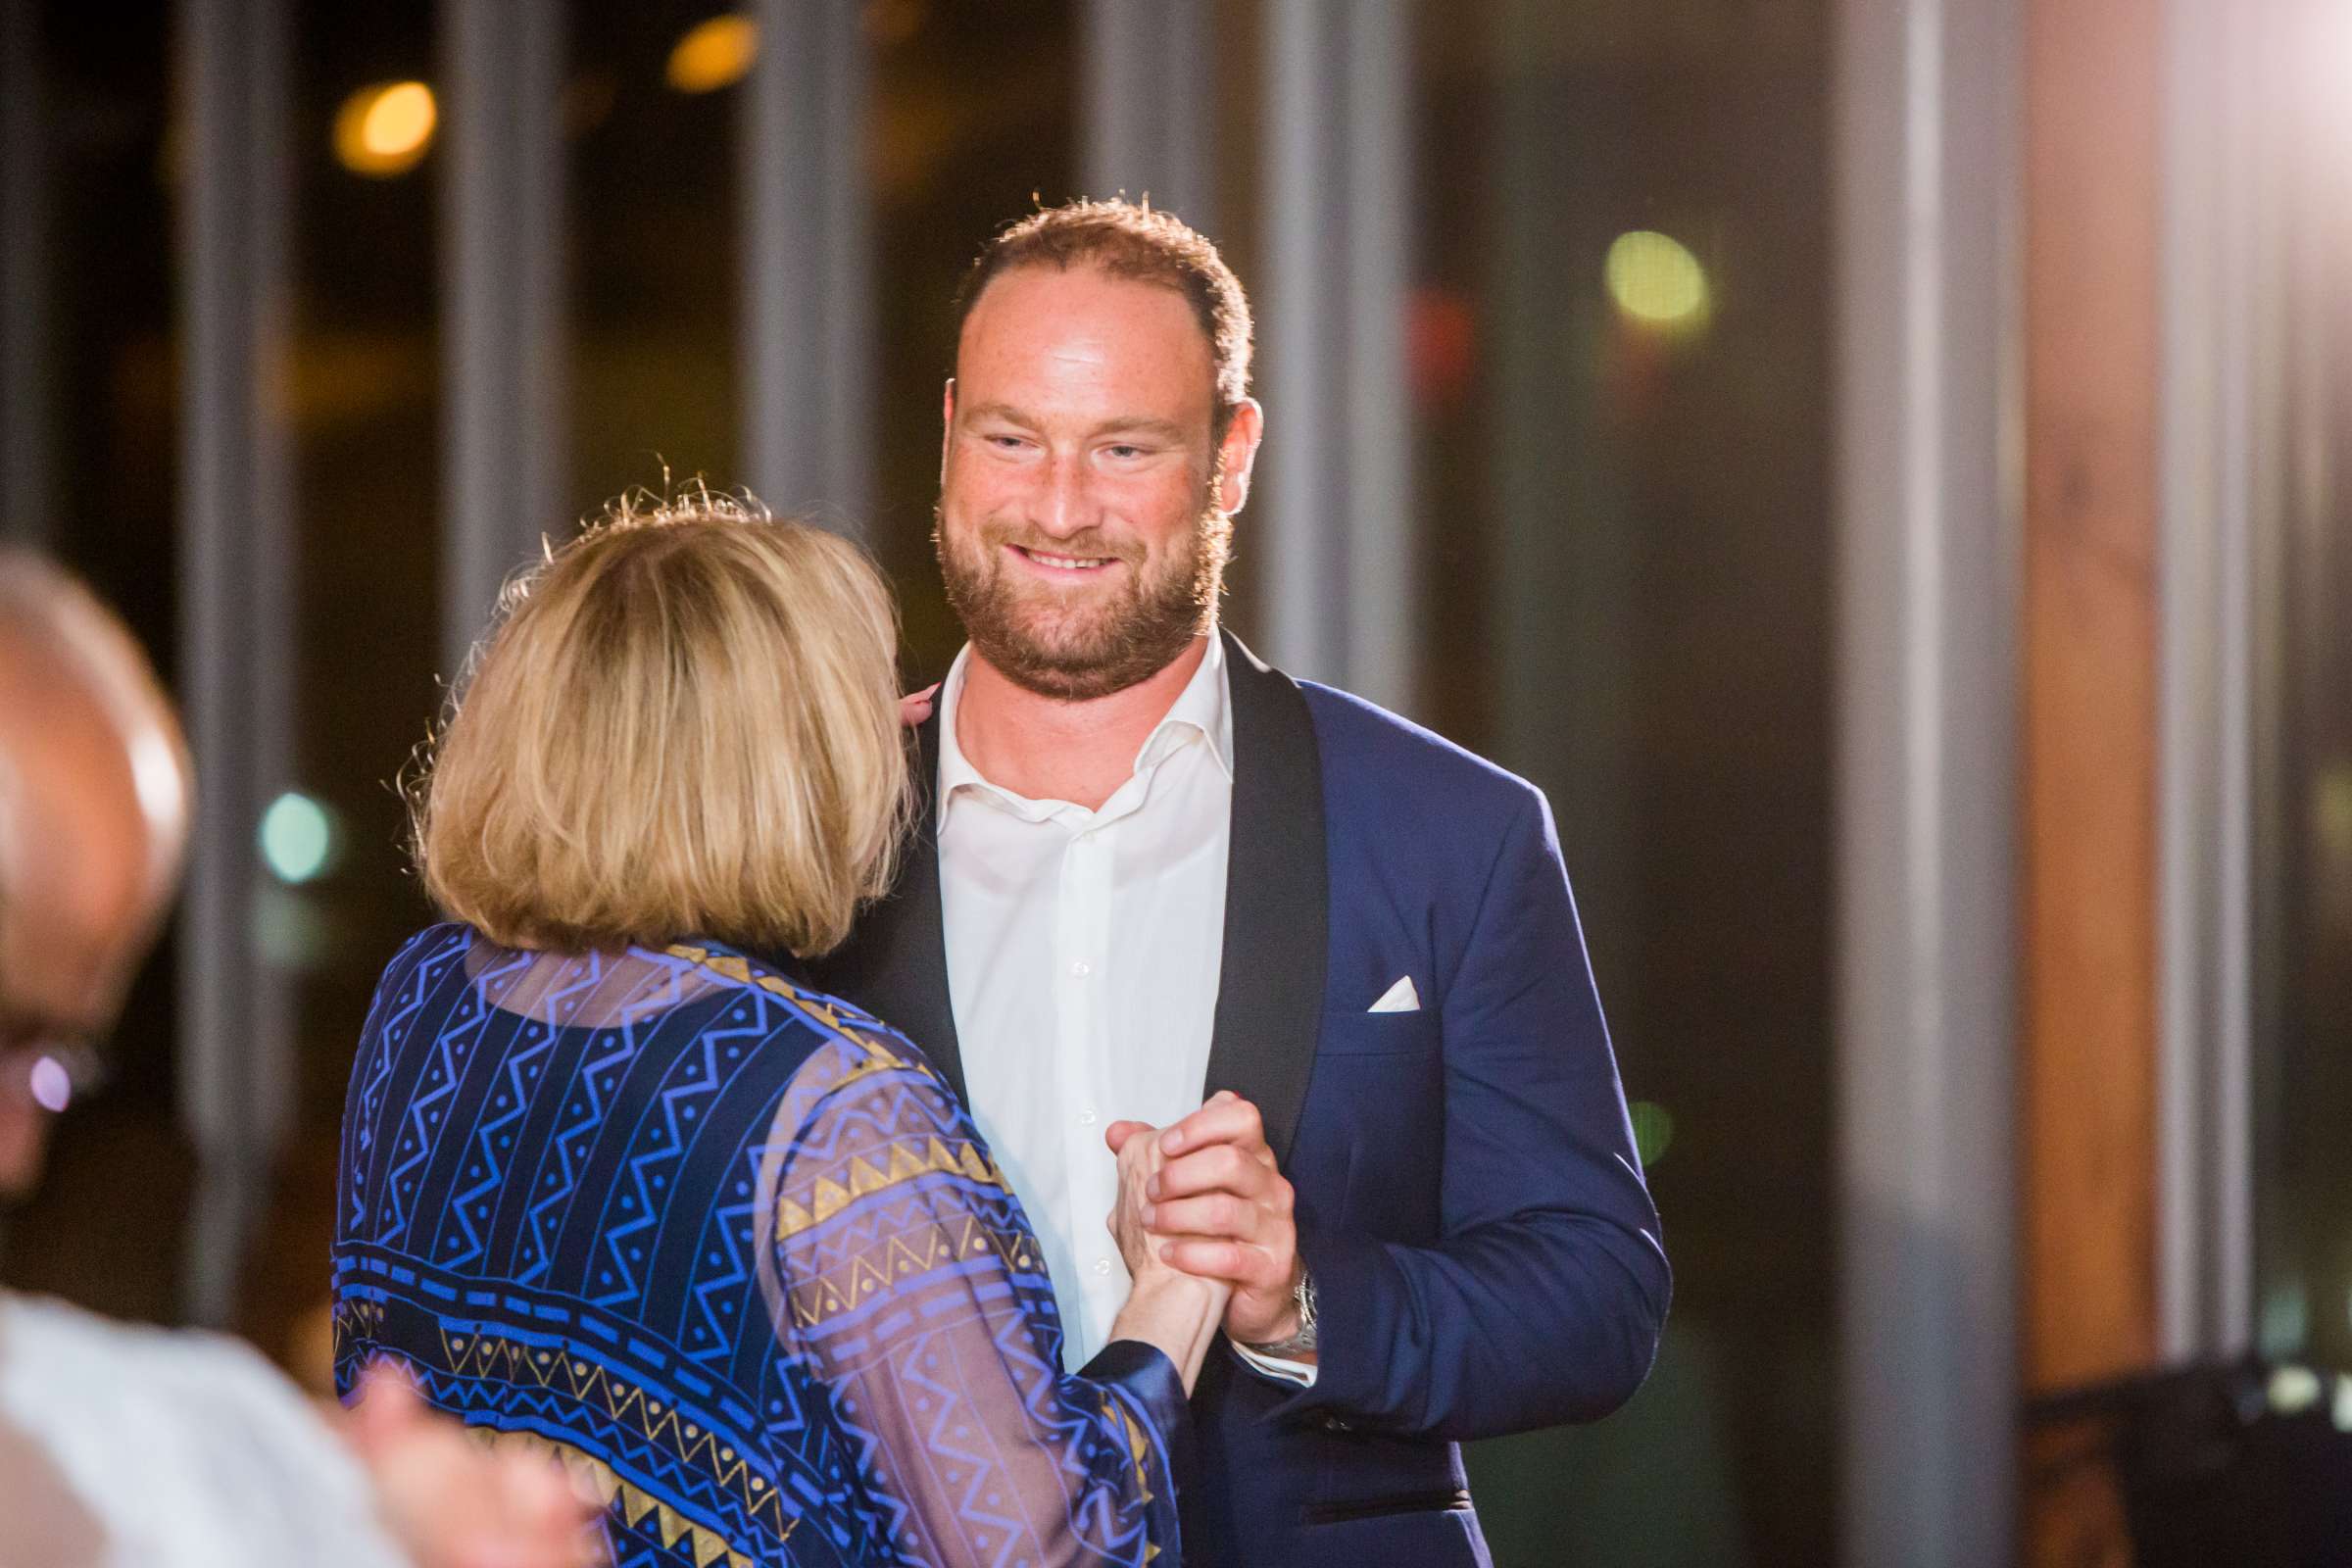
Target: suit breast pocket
[
  {"x": 1376, "y": 1118},
  {"x": 1350, "y": 1033}
]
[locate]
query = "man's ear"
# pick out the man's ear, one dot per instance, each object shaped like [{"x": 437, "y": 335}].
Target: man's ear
[
  {"x": 1237, "y": 455},
  {"x": 947, "y": 427}
]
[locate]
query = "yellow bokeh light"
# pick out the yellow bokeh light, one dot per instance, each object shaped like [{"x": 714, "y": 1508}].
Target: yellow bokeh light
[
  {"x": 716, "y": 54},
  {"x": 384, "y": 129},
  {"x": 1657, "y": 282}
]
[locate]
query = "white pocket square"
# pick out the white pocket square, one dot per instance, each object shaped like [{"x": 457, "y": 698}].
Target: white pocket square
[{"x": 1399, "y": 997}]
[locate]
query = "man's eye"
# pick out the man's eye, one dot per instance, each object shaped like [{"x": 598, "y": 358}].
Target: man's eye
[{"x": 1125, "y": 452}]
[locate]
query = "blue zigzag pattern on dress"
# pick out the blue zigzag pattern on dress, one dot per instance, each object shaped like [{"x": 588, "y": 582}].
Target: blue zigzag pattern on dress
[
  {"x": 718, "y": 1294},
  {"x": 650, "y": 1172},
  {"x": 641, "y": 1017},
  {"x": 419, "y": 1128},
  {"x": 414, "y": 973},
  {"x": 469, "y": 1211},
  {"x": 910, "y": 1403},
  {"x": 552, "y": 1198}
]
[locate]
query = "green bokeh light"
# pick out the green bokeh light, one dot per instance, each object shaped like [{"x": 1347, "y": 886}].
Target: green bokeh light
[
  {"x": 297, "y": 837},
  {"x": 1654, "y": 1130}
]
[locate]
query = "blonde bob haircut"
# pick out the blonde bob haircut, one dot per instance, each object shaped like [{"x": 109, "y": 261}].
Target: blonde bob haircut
[{"x": 684, "y": 722}]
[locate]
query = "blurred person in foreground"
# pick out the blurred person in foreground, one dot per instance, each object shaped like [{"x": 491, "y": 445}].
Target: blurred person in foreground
[
  {"x": 616, "y": 1190},
  {"x": 121, "y": 1445},
  {"x": 1157, "y": 882}
]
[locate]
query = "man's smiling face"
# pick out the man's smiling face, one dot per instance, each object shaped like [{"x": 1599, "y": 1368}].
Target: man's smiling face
[{"x": 1079, "y": 530}]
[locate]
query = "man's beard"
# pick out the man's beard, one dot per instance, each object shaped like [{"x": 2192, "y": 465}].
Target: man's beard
[{"x": 1076, "y": 652}]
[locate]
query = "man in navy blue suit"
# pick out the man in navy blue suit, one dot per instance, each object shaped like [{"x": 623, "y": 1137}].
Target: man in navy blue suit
[{"x": 1160, "y": 889}]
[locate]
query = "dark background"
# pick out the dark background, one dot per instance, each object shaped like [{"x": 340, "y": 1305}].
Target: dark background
[{"x": 1622, "y": 535}]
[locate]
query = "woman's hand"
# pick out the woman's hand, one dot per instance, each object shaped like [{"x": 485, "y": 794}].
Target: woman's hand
[
  {"x": 1176, "y": 1311},
  {"x": 1139, "y": 1159},
  {"x": 456, "y": 1504}
]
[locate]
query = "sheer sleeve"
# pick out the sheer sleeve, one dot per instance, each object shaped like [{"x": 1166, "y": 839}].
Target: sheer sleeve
[{"x": 909, "y": 1287}]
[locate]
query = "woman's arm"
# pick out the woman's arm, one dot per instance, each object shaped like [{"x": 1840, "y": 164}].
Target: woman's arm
[{"x": 908, "y": 1284}]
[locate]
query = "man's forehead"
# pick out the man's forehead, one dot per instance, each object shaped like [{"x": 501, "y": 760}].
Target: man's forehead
[
  {"x": 78, "y": 901},
  {"x": 81, "y": 843},
  {"x": 1061, "y": 310}
]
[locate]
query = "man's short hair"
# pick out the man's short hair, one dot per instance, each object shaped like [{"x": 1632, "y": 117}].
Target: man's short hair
[
  {"x": 684, "y": 723},
  {"x": 1137, "y": 242}
]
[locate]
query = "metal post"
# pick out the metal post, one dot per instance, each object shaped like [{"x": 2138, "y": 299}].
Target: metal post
[
  {"x": 1928, "y": 290},
  {"x": 1338, "y": 504},
  {"x": 26, "y": 461},
  {"x": 2219, "y": 182},
  {"x": 236, "y": 616},
  {"x": 808, "y": 304},
  {"x": 1300, "y": 519},
  {"x": 1147, "y": 112},
  {"x": 501, "y": 345}
]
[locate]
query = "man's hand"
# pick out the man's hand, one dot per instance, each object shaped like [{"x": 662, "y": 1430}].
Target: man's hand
[
  {"x": 456, "y": 1504},
  {"x": 1228, "y": 1211}
]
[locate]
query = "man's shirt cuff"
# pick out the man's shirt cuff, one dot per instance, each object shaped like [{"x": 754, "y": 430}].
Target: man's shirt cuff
[{"x": 1280, "y": 1368}]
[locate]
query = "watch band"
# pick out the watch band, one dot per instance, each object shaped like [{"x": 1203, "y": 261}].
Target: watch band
[{"x": 1304, "y": 1339}]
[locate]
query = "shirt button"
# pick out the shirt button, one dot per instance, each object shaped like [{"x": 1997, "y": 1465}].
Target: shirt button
[
  {"x": 1102, "y": 1265},
  {"x": 1081, "y": 968},
  {"x": 1085, "y": 1117}
]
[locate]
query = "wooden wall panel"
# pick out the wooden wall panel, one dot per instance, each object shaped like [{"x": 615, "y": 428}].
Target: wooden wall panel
[
  {"x": 2090, "y": 755},
  {"x": 2088, "y": 923}
]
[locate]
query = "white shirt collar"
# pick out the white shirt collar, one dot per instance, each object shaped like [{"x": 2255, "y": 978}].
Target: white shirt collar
[{"x": 1203, "y": 707}]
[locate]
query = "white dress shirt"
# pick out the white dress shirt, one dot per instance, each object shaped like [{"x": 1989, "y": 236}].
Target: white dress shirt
[
  {"x": 188, "y": 1451},
  {"x": 1082, "y": 953}
]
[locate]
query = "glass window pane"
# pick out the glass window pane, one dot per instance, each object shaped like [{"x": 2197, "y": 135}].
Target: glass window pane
[
  {"x": 112, "y": 374},
  {"x": 972, "y": 124},
  {"x": 652, "y": 101},
  {"x": 1619, "y": 335},
  {"x": 2301, "y": 877},
  {"x": 360, "y": 374}
]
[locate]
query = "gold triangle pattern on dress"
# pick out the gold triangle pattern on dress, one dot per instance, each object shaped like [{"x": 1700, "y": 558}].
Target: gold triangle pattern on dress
[
  {"x": 878, "y": 1056},
  {"x": 1139, "y": 1444},
  {"x": 492, "y": 1357},
  {"x": 595, "y": 1481},
  {"x": 828, "y": 1195},
  {"x": 819, "y": 1293},
  {"x": 729, "y": 966}
]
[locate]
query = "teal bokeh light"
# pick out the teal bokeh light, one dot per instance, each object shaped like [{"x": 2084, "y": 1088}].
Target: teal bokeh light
[{"x": 297, "y": 838}]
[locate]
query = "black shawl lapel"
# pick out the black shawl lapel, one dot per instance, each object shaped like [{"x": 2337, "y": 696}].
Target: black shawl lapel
[
  {"x": 1270, "y": 987},
  {"x": 894, "y": 964}
]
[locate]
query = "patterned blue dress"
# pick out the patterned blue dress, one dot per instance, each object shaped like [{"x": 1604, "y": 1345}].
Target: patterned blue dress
[{"x": 733, "y": 1252}]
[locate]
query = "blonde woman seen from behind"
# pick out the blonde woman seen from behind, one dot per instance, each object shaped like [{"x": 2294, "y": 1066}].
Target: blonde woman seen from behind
[{"x": 619, "y": 1187}]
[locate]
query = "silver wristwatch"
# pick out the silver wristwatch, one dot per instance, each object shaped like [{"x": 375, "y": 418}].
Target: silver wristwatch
[{"x": 1304, "y": 1298}]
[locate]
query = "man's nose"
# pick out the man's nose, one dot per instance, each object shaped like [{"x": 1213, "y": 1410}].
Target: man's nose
[{"x": 1066, "y": 508}]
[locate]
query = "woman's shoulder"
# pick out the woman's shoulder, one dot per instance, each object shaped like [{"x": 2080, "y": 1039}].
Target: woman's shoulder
[
  {"x": 735, "y": 966},
  {"x": 451, "y": 976},
  {"x": 416, "y": 970},
  {"x": 856, "y": 1048},
  {"x": 437, "y": 943}
]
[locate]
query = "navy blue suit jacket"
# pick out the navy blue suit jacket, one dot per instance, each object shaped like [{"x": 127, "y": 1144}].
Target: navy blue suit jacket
[{"x": 1485, "y": 1254}]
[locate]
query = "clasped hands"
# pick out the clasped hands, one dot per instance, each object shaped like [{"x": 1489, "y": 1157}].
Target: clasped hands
[{"x": 1205, "y": 1197}]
